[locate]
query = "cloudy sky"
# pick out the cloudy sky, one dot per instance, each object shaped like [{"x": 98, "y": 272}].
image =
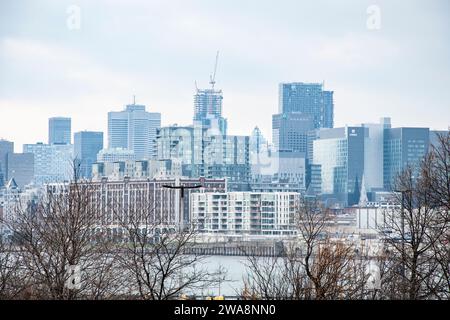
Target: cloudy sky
[{"x": 157, "y": 49}]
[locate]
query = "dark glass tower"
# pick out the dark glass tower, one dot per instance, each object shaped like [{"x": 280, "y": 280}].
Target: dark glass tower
[{"x": 307, "y": 98}]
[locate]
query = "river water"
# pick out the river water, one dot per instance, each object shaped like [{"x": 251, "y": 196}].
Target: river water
[{"x": 235, "y": 273}]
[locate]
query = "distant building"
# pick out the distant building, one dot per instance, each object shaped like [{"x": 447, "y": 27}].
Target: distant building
[
  {"x": 284, "y": 172},
  {"x": 52, "y": 163},
  {"x": 13, "y": 198},
  {"x": 87, "y": 145},
  {"x": 403, "y": 147},
  {"x": 153, "y": 194},
  {"x": 290, "y": 131},
  {"x": 21, "y": 168},
  {"x": 134, "y": 129},
  {"x": 374, "y": 154},
  {"x": 244, "y": 213},
  {"x": 115, "y": 155},
  {"x": 208, "y": 110},
  {"x": 309, "y": 99},
  {"x": 203, "y": 154},
  {"x": 434, "y": 137},
  {"x": 257, "y": 141},
  {"x": 6, "y": 147},
  {"x": 59, "y": 130},
  {"x": 340, "y": 154},
  {"x": 119, "y": 170}
]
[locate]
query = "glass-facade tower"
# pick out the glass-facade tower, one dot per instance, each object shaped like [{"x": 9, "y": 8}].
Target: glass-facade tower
[
  {"x": 59, "y": 130},
  {"x": 307, "y": 98},
  {"x": 87, "y": 144}
]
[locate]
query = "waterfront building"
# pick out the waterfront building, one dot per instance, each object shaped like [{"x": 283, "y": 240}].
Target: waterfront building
[
  {"x": 245, "y": 213},
  {"x": 168, "y": 206}
]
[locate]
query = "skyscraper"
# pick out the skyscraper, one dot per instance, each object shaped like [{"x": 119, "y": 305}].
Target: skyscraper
[
  {"x": 87, "y": 144},
  {"x": 208, "y": 109},
  {"x": 6, "y": 147},
  {"x": 374, "y": 154},
  {"x": 134, "y": 129},
  {"x": 340, "y": 154},
  {"x": 59, "y": 130},
  {"x": 307, "y": 98},
  {"x": 290, "y": 131},
  {"x": 403, "y": 147}
]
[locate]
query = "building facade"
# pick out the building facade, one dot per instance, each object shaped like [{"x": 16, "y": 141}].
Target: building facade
[
  {"x": 168, "y": 207},
  {"x": 119, "y": 170},
  {"x": 59, "y": 130},
  {"x": 115, "y": 154},
  {"x": 134, "y": 129},
  {"x": 204, "y": 154},
  {"x": 21, "y": 168},
  {"x": 309, "y": 99},
  {"x": 52, "y": 163},
  {"x": 87, "y": 144},
  {"x": 290, "y": 131},
  {"x": 208, "y": 110},
  {"x": 6, "y": 147},
  {"x": 244, "y": 213},
  {"x": 403, "y": 147},
  {"x": 340, "y": 154}
]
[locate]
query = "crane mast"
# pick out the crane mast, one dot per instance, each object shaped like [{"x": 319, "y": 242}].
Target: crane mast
[{"x": 212, "y": 77}]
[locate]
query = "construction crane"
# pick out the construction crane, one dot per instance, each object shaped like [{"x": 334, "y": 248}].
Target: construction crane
[{"x": 212, "y": 77}]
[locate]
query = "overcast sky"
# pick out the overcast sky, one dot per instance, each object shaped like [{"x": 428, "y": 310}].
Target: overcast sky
[{"x": 157, "y": 49}]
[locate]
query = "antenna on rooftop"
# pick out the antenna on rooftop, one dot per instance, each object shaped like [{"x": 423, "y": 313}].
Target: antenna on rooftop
[{"x": 134, "y": 99}]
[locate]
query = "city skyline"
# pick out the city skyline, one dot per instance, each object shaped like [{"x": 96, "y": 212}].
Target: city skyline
[{"x": 398, "y": 71}]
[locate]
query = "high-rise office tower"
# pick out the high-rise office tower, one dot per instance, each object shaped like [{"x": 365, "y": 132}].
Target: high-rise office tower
[
  {"x": 208, "y": 109},
  {"x": 340, "y": 154},
  {"x": 374, "y": 154},
  {"x": 59, "y": 130},
  {"x": 290, "y": 131},
  {"x": 134, "y": 129},
  {"x": 403, "y": 147},
  {"x": 307, "y": 98},
  {"x": 87, "y": 144},
  {"x": 6, "y": 147}
]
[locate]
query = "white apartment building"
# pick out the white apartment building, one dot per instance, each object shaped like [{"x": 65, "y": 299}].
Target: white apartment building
[{"x": 245, "y": 213}]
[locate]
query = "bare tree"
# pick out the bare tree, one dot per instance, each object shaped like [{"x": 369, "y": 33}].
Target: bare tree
[
  {"x": 156, "y": 257},
  {"x": 12, "y": 279},
  {"x": 416, "y": 229},
  {"x": 60, "y": 243},
  {"x": 313, "y": 267}
]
